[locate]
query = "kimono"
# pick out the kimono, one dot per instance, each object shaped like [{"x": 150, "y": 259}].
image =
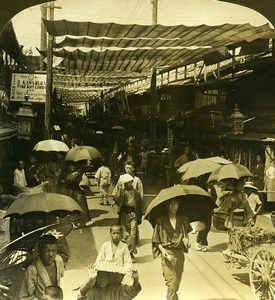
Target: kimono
[
  {"x": 36, "y": 279},
  {"x": 129, "y": 211},
  {"x": 231, "y": 202},
  {"x": 171, "y": 240},
  {"x": 103, "y": 179},
  {"x": 120, "y": 258},
  {"x": 112, "y": 292}
]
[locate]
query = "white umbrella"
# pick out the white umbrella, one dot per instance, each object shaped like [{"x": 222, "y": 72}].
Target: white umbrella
[{"x": 51, "y": 145}]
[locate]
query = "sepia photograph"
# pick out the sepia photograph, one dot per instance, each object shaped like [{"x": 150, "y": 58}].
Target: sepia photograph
[{"x": 137, "y": 149}]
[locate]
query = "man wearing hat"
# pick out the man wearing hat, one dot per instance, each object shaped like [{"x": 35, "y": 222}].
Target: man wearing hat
[
  {"x": 128, "y": 200},
  {"x": 252, "y": 197}
]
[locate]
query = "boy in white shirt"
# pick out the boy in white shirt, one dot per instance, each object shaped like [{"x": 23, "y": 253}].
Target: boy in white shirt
[{"x": 115, "y": 250}]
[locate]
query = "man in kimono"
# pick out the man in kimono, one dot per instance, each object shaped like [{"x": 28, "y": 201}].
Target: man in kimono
[
  {"x": 128, "y": 200},
  {"x": 170, "y": 241},
  {"x": 103, "y": 180},
  {"x": 46, "y": 270}
]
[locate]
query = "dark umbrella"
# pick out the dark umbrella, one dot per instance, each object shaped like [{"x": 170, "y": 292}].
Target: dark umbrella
[
  {"x": 194, "y": 202},
  {"x": 20, "y": 249},
  {"x": 42, "y": 202}
]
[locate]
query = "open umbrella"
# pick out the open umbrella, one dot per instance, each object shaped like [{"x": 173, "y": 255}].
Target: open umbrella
[
  {"x": 235, "y": 171},
  {"x": 195, "y": 202},
  {"x": 51, "y": 145},
  {"x": 82, "y": 153},
  {"x": 219, "y": 160},
  {"x": 197, "y": 167},
  {"x": 118, "y": 127},
  {"x": 42, "y": 202},
  {"x": 20, "y": 249}
]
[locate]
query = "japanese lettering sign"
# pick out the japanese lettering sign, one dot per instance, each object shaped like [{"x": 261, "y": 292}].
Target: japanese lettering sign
[{"x": 33, "y": 85}]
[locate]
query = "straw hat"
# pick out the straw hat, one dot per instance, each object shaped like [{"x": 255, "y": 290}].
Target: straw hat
[
  {"x": 125, "y": 178},
  {"x": 250, "y": 185}
]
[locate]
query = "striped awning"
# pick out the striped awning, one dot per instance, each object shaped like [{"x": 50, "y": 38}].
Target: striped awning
[{"x": 89, "y": 47}]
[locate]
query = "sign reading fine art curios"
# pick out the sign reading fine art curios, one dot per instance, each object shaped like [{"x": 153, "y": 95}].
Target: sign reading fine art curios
[{"x": 33, "y": 85}]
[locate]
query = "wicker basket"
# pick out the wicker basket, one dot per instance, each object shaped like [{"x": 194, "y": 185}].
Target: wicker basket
[
  {"x": 218, "y": 220},
  {"x": 238, "y": 221},
  {"x": 272, "y": 215}
]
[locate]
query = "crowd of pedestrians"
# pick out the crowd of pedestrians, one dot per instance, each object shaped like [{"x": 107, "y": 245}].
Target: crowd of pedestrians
[{"x": 118, "y": 168}]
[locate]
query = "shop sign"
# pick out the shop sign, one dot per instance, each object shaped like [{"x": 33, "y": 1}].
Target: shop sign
[{"x": 33, "y": 85}]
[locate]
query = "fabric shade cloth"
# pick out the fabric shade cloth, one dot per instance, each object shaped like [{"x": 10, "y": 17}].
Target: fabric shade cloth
[
  {"x": 82, "y": 153},
  {"x": 51, "y": 145},
  {"x": 235, "y": 171},
  {"x": 42, "y": 202},
  {"x": 196, "y": 168},
  {"x": 20, "y": 249},
  {"x": 194, "y": 202}
]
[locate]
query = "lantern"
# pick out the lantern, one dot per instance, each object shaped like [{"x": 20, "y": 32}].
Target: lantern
[
  {"x": 237, "y": 121},
  {"x": 25, "y": 117}
]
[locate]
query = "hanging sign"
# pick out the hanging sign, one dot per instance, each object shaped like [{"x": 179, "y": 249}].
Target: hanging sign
[{"x": 33, "y": 85}]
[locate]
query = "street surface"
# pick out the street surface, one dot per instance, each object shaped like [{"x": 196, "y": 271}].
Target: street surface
[{"x": 206, "y": 276}]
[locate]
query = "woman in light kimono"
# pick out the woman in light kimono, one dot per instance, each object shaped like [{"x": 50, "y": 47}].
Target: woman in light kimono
[{"x": 170, "y": 240}]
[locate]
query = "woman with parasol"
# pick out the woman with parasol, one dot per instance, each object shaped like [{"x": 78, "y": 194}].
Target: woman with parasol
[
  {"x": 234, "y": 204},
  {"x": 170, "y": 240}
]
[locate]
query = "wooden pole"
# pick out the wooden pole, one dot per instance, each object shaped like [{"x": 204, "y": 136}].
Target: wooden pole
[
  {"x": 49, "y": 70},
  {"x": 153, "y": 87},
  {"x": 47, "y": 118},
  {"x": 43, "y": 36}
]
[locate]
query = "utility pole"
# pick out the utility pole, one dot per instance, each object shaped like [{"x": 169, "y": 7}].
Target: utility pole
[
  {"x": 43, "y": 35},
  {"x": 153, "y": 86},
  {"x": 49, "y": 69}
]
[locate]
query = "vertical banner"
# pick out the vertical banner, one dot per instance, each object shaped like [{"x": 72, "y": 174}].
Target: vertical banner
[{"x": 270, "y": 173}]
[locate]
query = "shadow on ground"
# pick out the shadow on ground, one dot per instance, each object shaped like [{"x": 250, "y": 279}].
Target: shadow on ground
[
  {"x": 81, "y": 241},
  {"x": 242, "y": 277},
  {"x": 144, "y": 242},
  {"x": 94, "y": 213},
  {"x": 144, "y": 259},
  {"x": 218, "y": 247},
  {"x": 105, "y": 222}
]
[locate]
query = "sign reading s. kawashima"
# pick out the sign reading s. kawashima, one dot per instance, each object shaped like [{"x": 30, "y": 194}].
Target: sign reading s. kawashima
[{"x": 33, "y": 85}]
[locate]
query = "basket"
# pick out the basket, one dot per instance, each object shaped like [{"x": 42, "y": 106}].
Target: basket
[
  {"x": 218, "y": 220},
  {"x": 238, "y": 221},
  {"x": 272, "y": 215}
]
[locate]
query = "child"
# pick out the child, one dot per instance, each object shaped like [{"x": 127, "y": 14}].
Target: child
[
  {"x": 99, "y": 286},
  {"x": 252, "y": 197},
  {"x": 115, "y": 250},
  {"x": 53, "y": 292}
]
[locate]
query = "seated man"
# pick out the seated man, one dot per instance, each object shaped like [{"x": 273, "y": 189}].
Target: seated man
[{"x": 46, "y": 270}]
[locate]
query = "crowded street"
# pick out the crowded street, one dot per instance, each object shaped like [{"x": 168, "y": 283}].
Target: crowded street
[{"x": 206, "y": 276}]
